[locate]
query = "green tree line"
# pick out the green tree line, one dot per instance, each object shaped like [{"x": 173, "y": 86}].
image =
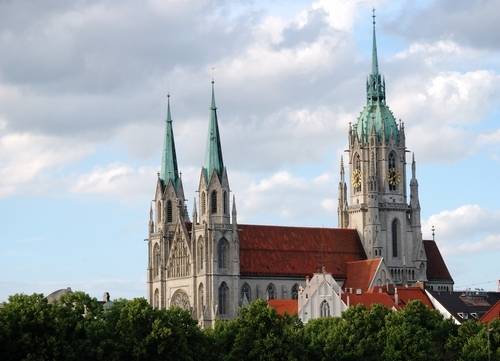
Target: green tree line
[{"x": 79, "y": 328}]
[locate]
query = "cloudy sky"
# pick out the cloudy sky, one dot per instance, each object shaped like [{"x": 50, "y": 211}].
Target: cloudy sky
[{"x": 83, "y": 89}]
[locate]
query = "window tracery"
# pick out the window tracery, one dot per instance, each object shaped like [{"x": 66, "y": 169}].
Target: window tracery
[
  {"x": 223, "y": 299},
  {"x": 179, "y": 265}
]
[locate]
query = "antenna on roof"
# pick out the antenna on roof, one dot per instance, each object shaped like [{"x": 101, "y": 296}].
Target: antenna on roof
[{"x": 433, "y": 233}]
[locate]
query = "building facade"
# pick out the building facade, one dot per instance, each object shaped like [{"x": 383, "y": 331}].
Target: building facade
[{"x": 212, "y": 265}]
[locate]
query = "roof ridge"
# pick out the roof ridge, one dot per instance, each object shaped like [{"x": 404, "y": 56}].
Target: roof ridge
[{"x": 306, "y": 227}]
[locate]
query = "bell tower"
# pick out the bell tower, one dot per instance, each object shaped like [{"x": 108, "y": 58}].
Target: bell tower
[
  {"x": 388, "y": 226},
  {"x": 167, "y": 211},
  {"x": 215, "y": 235}
]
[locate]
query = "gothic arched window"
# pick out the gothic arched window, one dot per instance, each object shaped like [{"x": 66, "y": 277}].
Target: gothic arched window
[
  {"x": 213, "y": 202},
  {"x": 156, "y": 259},
  {"x": 325, "y": 309},
  {"x": 156, "y": 300},
  {"x": 169, "y": 211},
  {"x": 295, "y": 291},
  {"x": 245, "y": 292},
  {"x": 158, "y": 212},
  {"x": 392, "y": 171},
  {"x": 200, "y": 254},
  {"x": 203, "y": 202},
  {"x": 223, "y": 253},
  {"x": 225, "y": 203},
  {"x": 395, "y": 237},
  {"x": 201, "y": 301},
  {"x": 223, "y": 299},
  {"x": 271, "y": 292}
]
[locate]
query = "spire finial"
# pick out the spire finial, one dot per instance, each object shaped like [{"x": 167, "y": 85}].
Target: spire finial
[
  {"x": 374, "y": 47},
  {"x": 213, "y": 94},
  {"x": 342, "y": 172},
  {"x": 433, "y": 233},
  {"x": 169, "y": 116},
  {"x": 413, "y": 166}
]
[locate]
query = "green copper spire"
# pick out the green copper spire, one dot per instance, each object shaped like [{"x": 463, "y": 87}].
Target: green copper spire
[
  {"x": 376, "y": 115},
  {"x": 213, "y": 155},
  {"x": 169, "y": 159},
  {"x": 374, "y": 48}
]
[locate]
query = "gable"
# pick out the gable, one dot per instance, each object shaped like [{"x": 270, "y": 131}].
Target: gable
[
  {"x": 361, "y": 274},
  {"x": 436, "y": 268}
]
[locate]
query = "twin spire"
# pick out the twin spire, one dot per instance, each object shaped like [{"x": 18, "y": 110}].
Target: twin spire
[
  {"x": 213, "y": 156},
  {"x": 169, "y": 170}
]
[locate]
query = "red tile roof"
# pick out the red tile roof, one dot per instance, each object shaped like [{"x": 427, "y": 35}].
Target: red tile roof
[
  {"x": 407, "y": 294},
  {"x": 284, "y": 306},
  {"x": 360, "y": 274},
  {"x": 297, "y": 251},
  {"x": 492, "y": 314},
  {"x": 368, "y": 299},
  {"x": 436, "y": 268}
]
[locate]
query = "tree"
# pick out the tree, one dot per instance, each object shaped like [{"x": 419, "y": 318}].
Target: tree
[
  {"x": 471, "y": 341},
  {"x": 258, "y": 333},
  {"x": 416, "y": 333},
  {"x": 358, "y": 335}
]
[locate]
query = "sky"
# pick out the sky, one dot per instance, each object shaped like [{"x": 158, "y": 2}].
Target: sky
[{"x": 83, "y": 88}]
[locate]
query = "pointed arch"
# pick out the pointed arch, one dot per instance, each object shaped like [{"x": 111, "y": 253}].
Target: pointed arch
[
  {"x": 203, "y": 202},
  {"x": 395, "y": 233},
  {"x": 170, "y": 216},
  {"x": 223, "y": 253},
  {"x": 213, "y": 202},
  {"x": 156, "y": 259},
  {"x": 158, "y": 212},
  {"x": 180, "y": 299},
  {"x": 295, "y": 291},
  {"x": 156, "y": 299},
  {"x": 200, "y": 255},
  {"x": 245, "y": 292},
  {"x": 271, "y": 291},
  {"x": 201, "y": 301},
  {"x": 223, "y": 306},
  {"x": 325, "y": 309}
]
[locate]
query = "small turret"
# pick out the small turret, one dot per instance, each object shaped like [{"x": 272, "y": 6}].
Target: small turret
[
  {"x": 195, "y": 212},
  {"x": 233, "y": 212},
  {"x": 414, "y": 201},
  {"x": 342, "y": 211}
]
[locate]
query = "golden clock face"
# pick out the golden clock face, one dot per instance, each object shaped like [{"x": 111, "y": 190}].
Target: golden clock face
[
  {"x": 394, "y": 178},
  {"x": 356, "y": 179}
]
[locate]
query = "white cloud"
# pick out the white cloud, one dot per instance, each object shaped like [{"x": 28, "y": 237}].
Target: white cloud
[
  {"x": 26, "y": 158},
  {"x": 468, "y": 228},
  {"x": 117, "y": 180}
]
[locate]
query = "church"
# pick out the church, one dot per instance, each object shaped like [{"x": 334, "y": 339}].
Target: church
[{"x": 212, "y": 265}]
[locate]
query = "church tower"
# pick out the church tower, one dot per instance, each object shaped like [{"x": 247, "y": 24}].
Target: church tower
[
  {"x": 167, "y": 218},
  {"x": 215, "y": 234},
  {"x": 388, "y": 226}
]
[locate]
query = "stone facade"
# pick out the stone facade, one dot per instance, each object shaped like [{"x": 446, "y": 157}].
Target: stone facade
[{"x": 211, "y": 266}]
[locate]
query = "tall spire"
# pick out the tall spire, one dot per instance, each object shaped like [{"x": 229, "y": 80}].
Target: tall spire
[
  {"x": 169, "y": 169},
  {"x": 374, "y": 48},
  {"x": 375, "y": 87},
  {"x": 213, "y": 156}
]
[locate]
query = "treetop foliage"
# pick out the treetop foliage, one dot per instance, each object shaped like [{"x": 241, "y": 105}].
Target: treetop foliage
[{"x": 78, "y": 327}]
